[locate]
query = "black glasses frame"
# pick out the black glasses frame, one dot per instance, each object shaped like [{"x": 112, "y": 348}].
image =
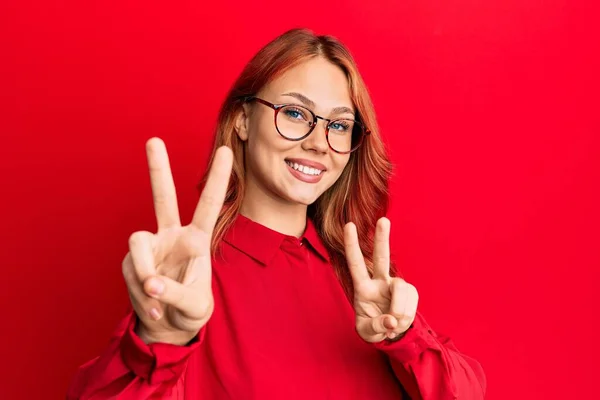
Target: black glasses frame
[{"x": 277, "y": 107}]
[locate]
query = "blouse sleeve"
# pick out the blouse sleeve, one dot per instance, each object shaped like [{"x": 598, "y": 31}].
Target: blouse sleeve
[
  {"x": 430, "y": 367},
  {"x": 131, "y": 369}
]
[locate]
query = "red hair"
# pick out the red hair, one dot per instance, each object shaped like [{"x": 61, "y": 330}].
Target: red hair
[{"x": 360, "y": 195}]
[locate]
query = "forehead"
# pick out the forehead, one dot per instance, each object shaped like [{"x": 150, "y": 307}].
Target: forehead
[{"x": 318, "y": 79}]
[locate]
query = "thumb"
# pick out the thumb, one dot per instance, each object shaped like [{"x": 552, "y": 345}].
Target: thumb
[{"x": 380, "y": 324}]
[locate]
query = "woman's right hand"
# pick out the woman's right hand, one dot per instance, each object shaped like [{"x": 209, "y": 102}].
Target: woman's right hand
[{"x": 168, "y": 273}]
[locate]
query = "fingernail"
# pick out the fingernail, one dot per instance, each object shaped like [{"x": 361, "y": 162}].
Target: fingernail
[
  {"x": 155, "y": 314},
  {"x": 156, "y": 287},
  {"x": 387, "y": 322}
]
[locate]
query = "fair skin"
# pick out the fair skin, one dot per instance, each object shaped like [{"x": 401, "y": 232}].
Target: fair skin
[
  {"x": 274, "y": 197},
  {"x": 168, "y": 273}
]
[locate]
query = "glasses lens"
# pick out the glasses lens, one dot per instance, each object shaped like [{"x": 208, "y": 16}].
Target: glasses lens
[
  {"x": 345, "y": 134},
  {"x": 293, "y": 122}
]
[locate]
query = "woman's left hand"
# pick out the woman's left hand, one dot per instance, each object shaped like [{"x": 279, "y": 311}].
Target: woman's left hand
[{"x": 385, "y": 306}]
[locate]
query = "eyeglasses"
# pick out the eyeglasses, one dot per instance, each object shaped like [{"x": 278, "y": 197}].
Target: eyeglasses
[{"x": 295, "y": 122}]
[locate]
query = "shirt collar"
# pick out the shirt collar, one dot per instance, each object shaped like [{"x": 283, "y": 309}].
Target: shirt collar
[{"x": 262, "y": 243}]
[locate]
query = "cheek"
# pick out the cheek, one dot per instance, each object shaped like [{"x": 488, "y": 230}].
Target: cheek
[
  {"x": 338, "y": 169},
  {"x": 263, "y": 133},
  {"x": 263, "y": 126},
  {"x": 265, "y": 147},
  {"x": 341, "y": 163}
]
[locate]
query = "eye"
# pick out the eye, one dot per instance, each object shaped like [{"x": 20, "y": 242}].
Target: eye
[
  {"x": 340, "y": 126},
  {"x": 295, "y": 113}
]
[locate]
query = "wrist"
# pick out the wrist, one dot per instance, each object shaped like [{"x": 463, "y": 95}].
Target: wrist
[
  {"x": 399, "y": 336},
  {"x": 395, "y": 338},
  {"x": 174, "y": 338}
]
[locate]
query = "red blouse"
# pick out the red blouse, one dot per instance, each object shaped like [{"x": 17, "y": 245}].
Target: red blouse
[{"x": 282, "y": 328}]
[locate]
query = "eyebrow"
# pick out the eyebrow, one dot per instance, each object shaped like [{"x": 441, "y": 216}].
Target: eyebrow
[{"x": 308, "y": 102}]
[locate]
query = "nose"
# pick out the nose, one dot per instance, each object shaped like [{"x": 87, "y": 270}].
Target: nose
[{"x": 317, "y": 140}]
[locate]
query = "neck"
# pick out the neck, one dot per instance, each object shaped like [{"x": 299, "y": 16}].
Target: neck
[{"x": 274, "y": 213}]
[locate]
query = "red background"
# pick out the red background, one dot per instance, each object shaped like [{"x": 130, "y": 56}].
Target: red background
[{"x": 490, "y": 110}]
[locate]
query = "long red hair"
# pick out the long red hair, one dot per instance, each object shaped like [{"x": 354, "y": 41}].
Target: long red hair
[{"x": 360, "y": 195}]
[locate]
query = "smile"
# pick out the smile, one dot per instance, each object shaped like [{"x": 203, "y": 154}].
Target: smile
[{"x": 304, "y": 169}]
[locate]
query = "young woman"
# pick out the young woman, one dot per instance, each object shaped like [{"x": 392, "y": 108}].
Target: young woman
[{"x": 281, "y": 286}]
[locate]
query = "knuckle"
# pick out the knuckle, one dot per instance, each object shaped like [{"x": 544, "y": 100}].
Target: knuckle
[
  {"x": 126, "y": 261},
  {"x": 399, "y": 283},
  {"x": 405, "y": 322},
  {"x": 376, "y": 324},
  {"x": 127, "y": 270},
  {"x": 412, "y": 289},
  {"x": 207, "y": 308},
  {"x": 159, "y": 199},
  {"x": 135, "y": 238},
  {"x": 208, "y": 199},
  {"x": 380, "y": 260},
  {"x": 137, "y": 301},
  {"x": 138, "y": 238}
]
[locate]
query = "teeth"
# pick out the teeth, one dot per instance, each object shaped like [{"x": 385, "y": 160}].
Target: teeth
[{"x": 304, "y": 169}]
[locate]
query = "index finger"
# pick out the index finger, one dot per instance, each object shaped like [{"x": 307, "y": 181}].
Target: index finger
[
  {"x": 354, "y": 257},
  {"x": 163, "y": 187},
  {"x": 212, "y": 197}
]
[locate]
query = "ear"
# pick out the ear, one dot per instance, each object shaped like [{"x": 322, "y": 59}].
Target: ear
[{"x": 242, "y": 122}]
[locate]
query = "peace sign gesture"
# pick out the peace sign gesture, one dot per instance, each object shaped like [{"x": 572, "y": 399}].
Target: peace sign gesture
[
  {"x": 385, "y": 307},
  {"x": 168, "y": 273}
]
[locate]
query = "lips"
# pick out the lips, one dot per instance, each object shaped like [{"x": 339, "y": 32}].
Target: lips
[{"x": 311, "y": 176}]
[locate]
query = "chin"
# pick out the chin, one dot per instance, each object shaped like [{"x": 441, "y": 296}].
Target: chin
[{"x": 303, "y": 198}]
